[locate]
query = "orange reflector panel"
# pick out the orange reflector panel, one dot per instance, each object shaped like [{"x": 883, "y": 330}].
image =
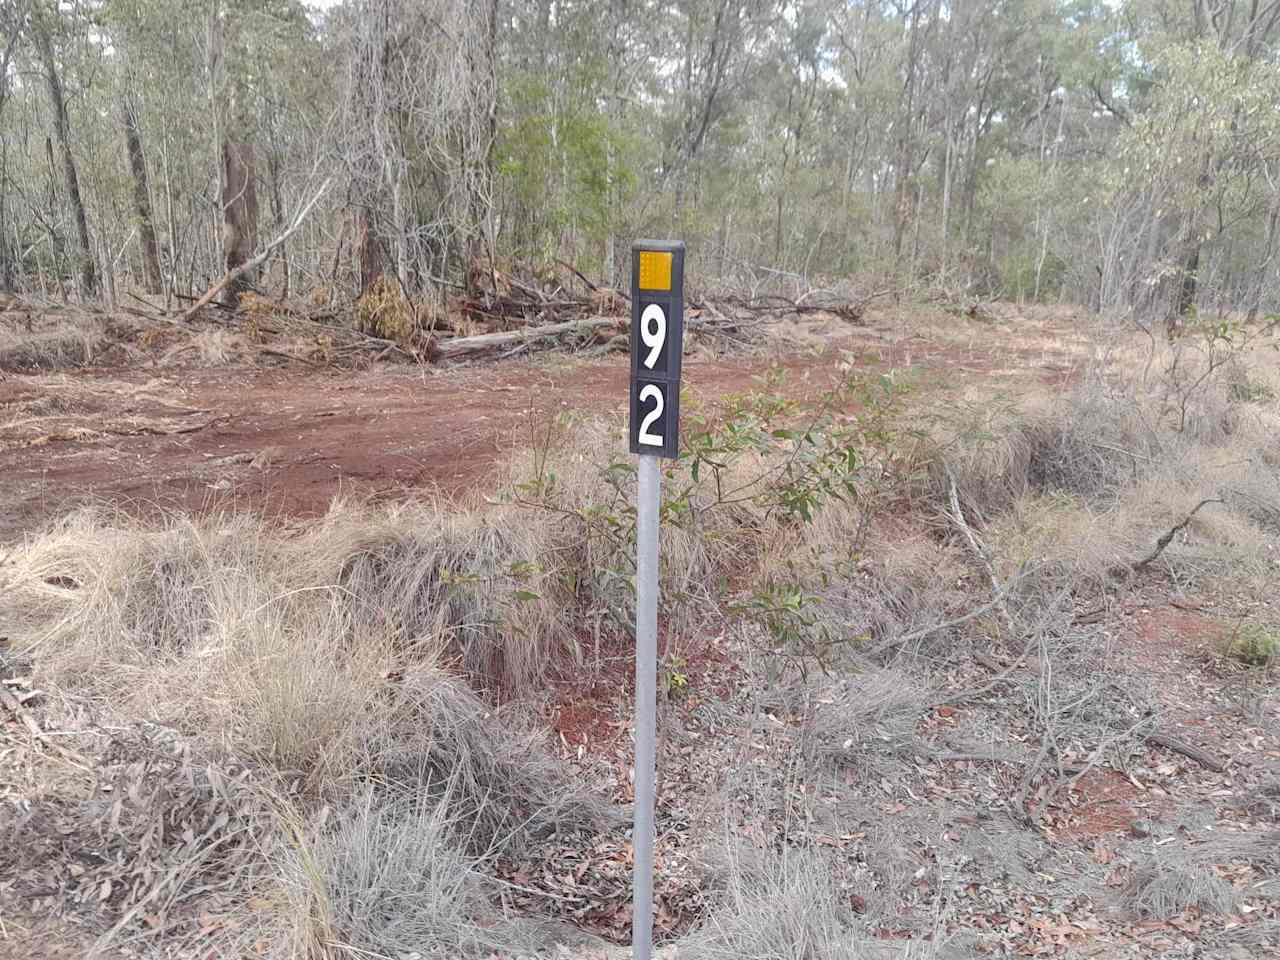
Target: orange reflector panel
[{"x": 655, "y": 270}]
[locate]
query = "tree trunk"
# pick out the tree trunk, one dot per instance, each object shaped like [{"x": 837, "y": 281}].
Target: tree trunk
[
  {"x": 1187, "y": 285},
  {"x": 233, "y": 131},
  {"x": 904, "y": 150},
  {"x": 6, "y": 259},
  {"x": 88, "y": 281},
  {"x": 277, "y": 214},
  {"x": 369, "y": 251},
  {"x": 141, "y": 198},
  {"x": 8, "y": 254},
  {"x": 1264, "y": 268},
  {"x": 239, "y": 215}
]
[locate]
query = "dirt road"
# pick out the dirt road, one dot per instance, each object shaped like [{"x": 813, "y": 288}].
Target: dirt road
[{"x": 287, "y": 441}]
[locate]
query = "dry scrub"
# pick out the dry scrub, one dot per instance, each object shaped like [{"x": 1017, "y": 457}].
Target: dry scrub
[
  {"x": 355, "y": 677},
  {"x": 63, "y": 343},
  {"x": 226, "y": 636}
]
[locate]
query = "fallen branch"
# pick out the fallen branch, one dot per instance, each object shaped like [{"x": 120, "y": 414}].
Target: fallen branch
[
  {"x": 915, "y": 635},
  {"x": 467, "y": 346},
  {"x": 978, "y": 550},
  {"x": 1168, "y": 537},
  {"x": 249, "y": 265},
  {"x": 578, "y": 273},
  {"x": 161, "y": 432},
  {"x": 1202, "y": 757}
]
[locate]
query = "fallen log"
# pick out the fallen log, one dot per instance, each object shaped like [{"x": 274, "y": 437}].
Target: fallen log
[
  {"x": 1191, "y": 752},
  {"x": 469, "y": 346}
]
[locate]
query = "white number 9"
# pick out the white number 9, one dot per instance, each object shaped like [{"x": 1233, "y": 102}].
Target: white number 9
[{"x": 655, "y": 338}]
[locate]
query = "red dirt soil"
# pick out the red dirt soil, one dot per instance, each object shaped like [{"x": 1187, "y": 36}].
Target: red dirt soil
[{"x": 287, "y": 441}]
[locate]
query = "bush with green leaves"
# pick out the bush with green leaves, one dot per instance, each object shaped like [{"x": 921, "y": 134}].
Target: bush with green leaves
[
  {"x": 755, "y": 469},
  {"x": 1254, "y": 644}
]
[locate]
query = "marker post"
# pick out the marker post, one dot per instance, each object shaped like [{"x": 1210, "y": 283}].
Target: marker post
[{"x": 657, "y": 336}]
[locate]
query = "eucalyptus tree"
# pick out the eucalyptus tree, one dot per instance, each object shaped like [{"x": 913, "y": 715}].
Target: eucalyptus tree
[
  {"x": 417, "y": 142},
  {"x": 44, "y": 24},
  {"x": 12, "y": 18}
]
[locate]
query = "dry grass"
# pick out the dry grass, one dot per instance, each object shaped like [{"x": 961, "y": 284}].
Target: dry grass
[
  {"x": 781, "y": 907},
  {"x": 219, "y": 628},
  {"x": 878, "y": 578},
  {"x": 789, "y": 906},
  {"x": 219, "y": 631},
  {"x": 391, "y": 876},
  {"x": 66, "y": 343},
  {"x": 431, "y": 731},
  {"x": 866, "y": 721},
  {"x": 1168, "y": 885},
  {"x": 1088, "y": 484},
  {"x": 481, "y": 592}
]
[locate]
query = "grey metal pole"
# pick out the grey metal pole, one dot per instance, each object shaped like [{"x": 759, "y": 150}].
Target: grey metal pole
[{"x": 650, "y": 493}]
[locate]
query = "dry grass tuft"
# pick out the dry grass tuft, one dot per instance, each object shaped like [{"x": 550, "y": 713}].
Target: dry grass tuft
[
  {"x": 780, "y": 907},
  {"x": 215, "y": 346},
  {"x": 878, "y": 579},
  {"x": 66, "y": 344},
  {"x": 391, "y": 877},
  {"x": 1170, "y": 884},
  {"x": 432, "y": 731},
  {"x": 864, "y": 719},
  {"x": 788, "y": 906},
  {"x": 230, "y": 630},
  {"x": 479, "y": 592},
  {"x": 1089, "y": 446}
]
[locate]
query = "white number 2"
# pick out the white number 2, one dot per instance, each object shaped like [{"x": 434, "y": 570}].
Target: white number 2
[
  {"x": 647, "y": 392},
  {"x": 653, "y": 339}
]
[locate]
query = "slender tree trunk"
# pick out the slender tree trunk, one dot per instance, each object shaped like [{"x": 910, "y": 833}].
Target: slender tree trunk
[
  {"x": 277, "y": 214},
  {"x": 217, "y": 109},
  {"x": 6, "y": 257},
  {"x": 946, "y": 196},
  {"x": 369, "y": 251},
  {"x": 88, "y": 280},
  {"x": 239, "y": 192},
  {"x": 172, "y": 287},
  {"x": 1264, "y": 268},
  {"x": 141, "y": 198},
  {"x": 239, "y": 215},
  {"x": 9, "y": 252},
  {"x": 1187, "y": 285}
]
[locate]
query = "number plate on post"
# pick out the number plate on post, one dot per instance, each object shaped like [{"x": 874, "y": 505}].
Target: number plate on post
[{"x": 657, "y": 338}]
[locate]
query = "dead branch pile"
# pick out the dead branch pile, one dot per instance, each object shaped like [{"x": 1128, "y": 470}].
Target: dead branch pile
[{"x": 501, "y": 313}]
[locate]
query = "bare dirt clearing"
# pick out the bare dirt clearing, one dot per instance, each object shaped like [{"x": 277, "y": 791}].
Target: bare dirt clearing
[{"x": 286, "y": 441}]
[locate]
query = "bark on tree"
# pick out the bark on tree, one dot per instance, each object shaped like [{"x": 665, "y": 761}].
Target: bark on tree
[
  {"x": 7, "y": 254},
  {"x": 369, "y": 251},
  {"x": 88, "y": 280},
  {"x": 238, "y": 180},
  {"x": 904, "y": 152},
  {"x": 239, "y": 216},
  {"x": 274, "y": 163},
  {"x": 1187, "y": 286},
  {"x": 141, "y": 198}
]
